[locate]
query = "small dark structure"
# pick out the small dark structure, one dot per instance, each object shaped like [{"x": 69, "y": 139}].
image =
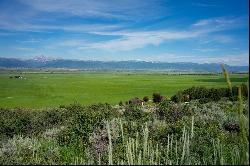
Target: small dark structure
[{"x": 136, "y": 101}]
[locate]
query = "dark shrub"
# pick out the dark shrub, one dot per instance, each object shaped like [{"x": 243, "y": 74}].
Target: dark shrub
[
  {"x": 134, "y": 113},
  {"x": 204, "y": 100},
  {"x": 157, "y": 97},
  {"x": 45, "y": 119},
  {"x": 224, "y": 92},
  {"x": 244, "y": 90},
  {"x": 169, "y": 111},
  {"x": 174, "y": 98},
  {"x": 234, "y": 91},
  {"x": 232, "y": 127},
  {"x": 214, "y": 94},
  {"x": 196, "y": 92},
  {"x": 145, "y": 98},
  {"x": 203, "y": 93},
  {"x": 120, "y": 103},
  {"x": 163, "y": 109},
  {"x": 135, "y": 101}
]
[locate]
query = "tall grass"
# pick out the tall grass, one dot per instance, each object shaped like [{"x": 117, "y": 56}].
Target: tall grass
[
  {"x": 226, "y": 75},
  {"x": 243, "y": 121},
  {"x": 177, "y": 151}
]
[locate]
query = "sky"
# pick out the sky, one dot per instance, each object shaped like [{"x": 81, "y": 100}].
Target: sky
[{"x": 199, "y": 31}]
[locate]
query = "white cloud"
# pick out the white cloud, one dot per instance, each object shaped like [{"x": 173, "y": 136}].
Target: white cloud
[
  {"x": 126, "y": 9},
  {"x": 134, "y": 40},
  {"x": 221, "y": 23},
  {"x": 72, "y": 43},
  {"x": 206, "y": 49},
  {"x": 81, "y": 28}
]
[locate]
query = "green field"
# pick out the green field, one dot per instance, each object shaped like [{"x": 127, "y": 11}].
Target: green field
[{"x": 40, "y": 90}]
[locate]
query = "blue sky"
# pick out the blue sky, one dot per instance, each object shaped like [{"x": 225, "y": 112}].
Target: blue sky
[{"x": 201, "y": 31}]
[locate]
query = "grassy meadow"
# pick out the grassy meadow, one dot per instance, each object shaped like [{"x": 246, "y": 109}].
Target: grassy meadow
[{"x": 51, "y": 89}]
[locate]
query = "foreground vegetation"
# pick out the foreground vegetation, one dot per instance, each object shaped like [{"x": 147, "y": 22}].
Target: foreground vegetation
[
  {"x": 214, "y": 132},
  {"x": 51, "y": 89},
  {"x": 168, "y": 133},
  {"x": 197, "y": 125}
]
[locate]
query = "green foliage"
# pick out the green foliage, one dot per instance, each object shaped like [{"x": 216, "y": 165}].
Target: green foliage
[
  {"x": 171, "y": 111},
  {"x": 27, "y": 122},
  {"x": 14, "y": 122},
  {"x": 135, "y": 113},
  {"x": 208, "y": 94},
  {"x": 165, "y": 109},
  {"x": 204, "y": 100},
  {"x": 139, "y": 136},
  {"x": 83, "y": 121}
]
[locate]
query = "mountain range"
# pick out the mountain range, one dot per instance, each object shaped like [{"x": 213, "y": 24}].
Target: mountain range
[{"x": 45, "y": 62}]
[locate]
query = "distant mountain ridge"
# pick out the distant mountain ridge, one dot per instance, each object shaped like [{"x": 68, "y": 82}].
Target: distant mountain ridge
[
  {"x": 43, "y": 58},
  {"x": 44, "y": 62}
]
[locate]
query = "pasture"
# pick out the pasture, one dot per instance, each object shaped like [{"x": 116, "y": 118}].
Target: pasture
[{"x": 51, "y": 89}]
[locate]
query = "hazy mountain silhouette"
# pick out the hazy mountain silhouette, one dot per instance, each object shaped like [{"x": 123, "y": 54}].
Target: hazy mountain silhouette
[{"x": 115, "y": 65}]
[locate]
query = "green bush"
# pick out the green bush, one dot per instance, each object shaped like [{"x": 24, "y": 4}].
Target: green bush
[
  {"x": 14, "y": 121},
  {"x": 162, "y": 133},
  {"x": 203, "y": 93},
  {"x": 83, "y": 121},
  {"x": 169, "y": 111},
  {"x": 204, "y": 100},
  {"x": 134, "y": 113}
]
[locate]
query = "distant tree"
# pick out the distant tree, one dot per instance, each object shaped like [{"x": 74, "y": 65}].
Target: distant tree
[
  {"x": 174, "y": 98},
  {"x": 157, "y": 97},
  {"x": 145, "y": 98},
  {"x": 120, "y": 103}
]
